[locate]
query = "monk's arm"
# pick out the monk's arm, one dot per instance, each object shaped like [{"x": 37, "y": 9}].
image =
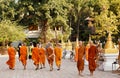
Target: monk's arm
[
  {"x": 53, "y": 54},
  {"x": 96, "y": 53},
  {"x": 84, "y": 53}
]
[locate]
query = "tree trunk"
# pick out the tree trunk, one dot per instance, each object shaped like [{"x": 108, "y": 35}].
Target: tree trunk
[
  {"x": 78, "y": 28},
  {"x": 44, "y": 30}
]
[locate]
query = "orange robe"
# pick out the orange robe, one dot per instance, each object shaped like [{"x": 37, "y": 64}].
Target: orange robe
[
  {"x": 35, "y": 55},
  {"x": 42, "y": 55},
  {"x": 58, "y": 55},
  {"x": 23, "y": 55},
  {"x": 92, "y": 55},
  {"x": 86, "y": 51},
  {"x": 50, "y": 56},
  {"x": 11, "y": 61},
  {"x": 80, "y": 62},
  {"x": 76, "y": 54}
]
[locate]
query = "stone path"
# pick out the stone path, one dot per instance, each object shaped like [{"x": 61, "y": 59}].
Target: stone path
[{"x": 68, "y": 70}]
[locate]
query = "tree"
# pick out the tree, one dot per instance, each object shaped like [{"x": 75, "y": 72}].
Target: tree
[
  {"x": 105, "y": 19},
  {"x": 55, "y": 13},
  {"x": 115, "y": 8},
  {"x": 76, "y": 12},
  {"x": 67, "y": 15},
  {"x": 7, "y": 9},
  {"x": 10, "y": 31},
  {"x": 44, "y": 13},
  {"x": 105, "y": 14}
]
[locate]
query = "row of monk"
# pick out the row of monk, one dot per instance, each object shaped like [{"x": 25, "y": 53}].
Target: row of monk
[{"x": 38, "y": 54}]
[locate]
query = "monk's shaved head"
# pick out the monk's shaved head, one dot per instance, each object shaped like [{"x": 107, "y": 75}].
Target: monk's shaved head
[{"x": 80, "y": 43}]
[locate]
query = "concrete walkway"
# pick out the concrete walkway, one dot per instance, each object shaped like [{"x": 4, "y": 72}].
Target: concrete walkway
[{"x": 68, "y": 70}]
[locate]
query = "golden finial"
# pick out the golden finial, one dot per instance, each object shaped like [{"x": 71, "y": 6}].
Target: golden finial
[{"x": 109, "y": 44}]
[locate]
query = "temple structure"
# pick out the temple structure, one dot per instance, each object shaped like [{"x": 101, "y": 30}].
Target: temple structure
[
  {"x": 110, "y": 54},
  {"x": 33, "y": 32}
]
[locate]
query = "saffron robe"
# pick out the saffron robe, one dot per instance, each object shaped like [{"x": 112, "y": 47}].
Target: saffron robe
[
  {"x": 11, "y": 61},
  {"x": 23, "y": 55},
  {"x": 42, "y": 55},
  {"x": 35, "y": 55},
  {"x": 86, "y": 51},
  {"x": 92, "y": 55},
  {"x": 80, "y": 62},
  {"x": 76, "y": 54},
  {"x": 58, "y": 55},
  {"x": 50, "y": 55}
]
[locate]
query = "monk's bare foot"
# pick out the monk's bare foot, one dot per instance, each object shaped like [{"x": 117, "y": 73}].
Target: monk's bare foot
[
  {"x": 36, "y": 68},
  {"x": 81, "y": 75},
  {"x": 40, "y": 67},
  {"x": 58, "y": 69},
  {"x": 12, "y": 69},
  {"x": 51, "y": 69},
  {"x": 91, "y": 74},
  {"x": 24, "y": 68},
  {"x": 43, "y": 66}
]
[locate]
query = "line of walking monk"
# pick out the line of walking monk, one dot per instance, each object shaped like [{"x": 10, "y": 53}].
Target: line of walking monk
[
  {"x": 39, "y": 54},
  {"x": 90, "y": 53}
]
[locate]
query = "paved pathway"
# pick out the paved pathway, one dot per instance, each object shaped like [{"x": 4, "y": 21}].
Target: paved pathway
[{"x": 68, "y": 70}]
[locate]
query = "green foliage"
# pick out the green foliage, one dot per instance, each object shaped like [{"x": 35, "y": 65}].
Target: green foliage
[
  {"x": 55, "y": 11},
  {"x": 69, "y": 15},
  {"x": 50, "y": 34},
  {"x": 105, "y": 18},
  {"x": 9, "y": 31},
  {"x": 7, "y": 10},
  {"x": 45, "y": 13}
]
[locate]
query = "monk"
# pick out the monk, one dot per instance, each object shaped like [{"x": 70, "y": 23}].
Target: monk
[
  {"x": 92, "y": 55},
  {"x": 35, "y": 55},
  {"x": 50, "y": 55},
  {"x": 58, "y": 55},
  {"x": 81, "y": 56},
  {"x": 30, "y": 50},
  {"x": 23, "y": 55},
  {"x": 42, "y": 57},
  {"x": 11, "y": 53},
  {"x": 19, "y": 45}
]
